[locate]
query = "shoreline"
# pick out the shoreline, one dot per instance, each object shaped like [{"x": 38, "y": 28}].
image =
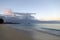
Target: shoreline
[{"x": 9, "y": 33}]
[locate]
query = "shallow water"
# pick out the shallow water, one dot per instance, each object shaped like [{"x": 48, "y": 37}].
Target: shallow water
[
  {"x": 41, "y": 27},
  {"x": 35, "y": 31},
  {"x": 37, "y": 26}
]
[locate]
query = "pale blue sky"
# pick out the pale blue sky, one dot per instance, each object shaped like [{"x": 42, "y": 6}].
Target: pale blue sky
[{"x": 42, "y": 8}]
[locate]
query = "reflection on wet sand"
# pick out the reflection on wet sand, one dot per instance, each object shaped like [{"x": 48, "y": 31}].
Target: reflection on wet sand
[{"x": 9, "y": 33}]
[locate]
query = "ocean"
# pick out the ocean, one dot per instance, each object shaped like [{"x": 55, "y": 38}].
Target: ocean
[{"x": 48, "y": 28}]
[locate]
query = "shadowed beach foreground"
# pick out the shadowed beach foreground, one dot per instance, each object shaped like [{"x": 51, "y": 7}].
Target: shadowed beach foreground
[{"x": 9, "y": 33}]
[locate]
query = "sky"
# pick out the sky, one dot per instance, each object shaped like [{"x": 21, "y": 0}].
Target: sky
[{"x": 44, "y": 9}]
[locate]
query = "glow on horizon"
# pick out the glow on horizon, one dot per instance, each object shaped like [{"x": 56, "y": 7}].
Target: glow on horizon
[
  {"x": 47, "y": 19},
  {"x": 51, "y": 19}
]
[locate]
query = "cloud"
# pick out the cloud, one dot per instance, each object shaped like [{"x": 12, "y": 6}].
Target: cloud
[{"x": 8, "y": 12}]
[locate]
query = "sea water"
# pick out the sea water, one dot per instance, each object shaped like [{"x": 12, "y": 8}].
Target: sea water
[{"x": 50, "y": 28}]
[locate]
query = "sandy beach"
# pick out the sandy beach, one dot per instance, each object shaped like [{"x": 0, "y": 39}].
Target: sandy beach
[{"x": 9, "y": 33}]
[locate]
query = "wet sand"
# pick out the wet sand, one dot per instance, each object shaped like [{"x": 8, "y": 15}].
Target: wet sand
[{"x": 8, "y": 33}]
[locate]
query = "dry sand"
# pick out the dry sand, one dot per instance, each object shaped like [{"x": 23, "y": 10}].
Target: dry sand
[{"x": 8, "y": 33}]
